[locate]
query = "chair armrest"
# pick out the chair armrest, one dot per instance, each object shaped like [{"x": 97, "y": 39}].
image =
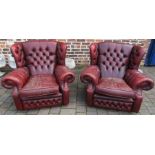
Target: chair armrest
[
  {"x": 16, "y": 78},
  {"x": 90, "y": 75},
  {"x": 137, "y": 80},
  {"x": 64, "y": 74}
]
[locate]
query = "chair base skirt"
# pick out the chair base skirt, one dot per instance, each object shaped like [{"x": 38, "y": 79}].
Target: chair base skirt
[
  {"x": 110, "y": 103},
  {"x": 35, "y": 104},
  {"x": 41, "y": 103}
]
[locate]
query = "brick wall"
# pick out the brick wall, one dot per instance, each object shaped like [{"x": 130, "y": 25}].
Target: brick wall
[{"x": 78, "y": 49}]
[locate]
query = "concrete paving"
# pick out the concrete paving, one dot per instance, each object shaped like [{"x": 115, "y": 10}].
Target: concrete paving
[{"x": 77, "y": 104}]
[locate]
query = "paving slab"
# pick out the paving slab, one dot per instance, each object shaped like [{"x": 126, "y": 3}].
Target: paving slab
[
  {"x": 55, "y": 110},
  {"x": 77, "y": 105},
  {"x": 68, "y": 112}
]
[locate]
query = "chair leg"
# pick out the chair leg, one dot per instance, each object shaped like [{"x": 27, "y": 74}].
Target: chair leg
[
  {"x": 65, "y": 98},
  {"x": 137, "y": 104},
  {"x": 17, "y": 100},
  {"x": 89, "y": 95}
]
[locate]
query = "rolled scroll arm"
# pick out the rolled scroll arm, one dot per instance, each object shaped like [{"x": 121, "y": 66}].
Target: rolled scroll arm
[
  {"x": 90, "y": 75},
  {"x": 64, "y": 75},
  {"x": 16, "y": 78},
  {"x": 137, "y": 80}
]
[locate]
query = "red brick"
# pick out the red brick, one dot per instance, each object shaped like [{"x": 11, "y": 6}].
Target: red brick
[
  {"x": 81, "y": 40},
  {"x": 78, "y": 49},
  {"x": 71, "y": 40}
]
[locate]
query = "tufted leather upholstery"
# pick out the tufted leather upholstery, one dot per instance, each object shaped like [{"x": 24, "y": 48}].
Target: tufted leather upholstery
[
  {"x": 115, "y": 82},
  {"x": 115, "y": 103},
  {"x": 61, "y": 53},
  {"x": 39, "y": 86},
  {"x": 94, "y": 53},
  {"x": 40, "y": 57},
  {"x": 118, "y": 88},
  {"x": 136, "y": 57},
  {"x": 18, "y": 53},
  {"x": 113, "y": 59},
  {"x": 36, "y": 81}
]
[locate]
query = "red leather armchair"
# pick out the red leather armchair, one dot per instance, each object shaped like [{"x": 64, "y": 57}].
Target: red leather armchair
[
  {"x": 113, "y": 80},
  {"x": 41, "y": 78}
]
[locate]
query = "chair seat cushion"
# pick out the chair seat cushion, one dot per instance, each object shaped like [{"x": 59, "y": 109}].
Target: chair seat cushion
[
  {"x": 39, "y": 86},
  {"x": 115, "y": 87}
]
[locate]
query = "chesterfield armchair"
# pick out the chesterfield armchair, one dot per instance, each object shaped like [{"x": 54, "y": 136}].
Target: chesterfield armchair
[
  {"x": 113, "y": 80},
  {"x": 41, "y": 78}
]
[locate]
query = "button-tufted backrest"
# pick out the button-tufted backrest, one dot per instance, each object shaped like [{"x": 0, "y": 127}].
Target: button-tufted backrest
[
  {"x": 113, "y": 59},
  {"x": 40, "y": 56}
]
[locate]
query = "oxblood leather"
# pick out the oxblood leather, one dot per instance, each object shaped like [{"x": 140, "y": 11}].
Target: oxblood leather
[
  {"x": 39, "y": 86},
  {"x": 114, "y": 87},
  {"x": 137, "y": 80},
  {"x": 114, "y": 82},
  {"x": 41, "y": 79},
  {"x": 40, "y": 56},
  {"x": 61, "y": 53},
  {"x": 113, "y": 59},
  {"x": 18, "y": 53},
  {"x": 90, "y": 75},
  {"x": 16, "y": 78},
  {"x": 136, "y": 57},
  {"x": 64, "y": 74},
  {"x": 94, "y": 53}
]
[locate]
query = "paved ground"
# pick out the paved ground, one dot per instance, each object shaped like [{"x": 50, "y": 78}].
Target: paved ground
[{"x": 77, "y": 104}]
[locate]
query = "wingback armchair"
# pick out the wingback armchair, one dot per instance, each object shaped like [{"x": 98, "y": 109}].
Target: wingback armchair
[
  {"x": 113, "y": 80},
  {"x": 41, "y": 78}
]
